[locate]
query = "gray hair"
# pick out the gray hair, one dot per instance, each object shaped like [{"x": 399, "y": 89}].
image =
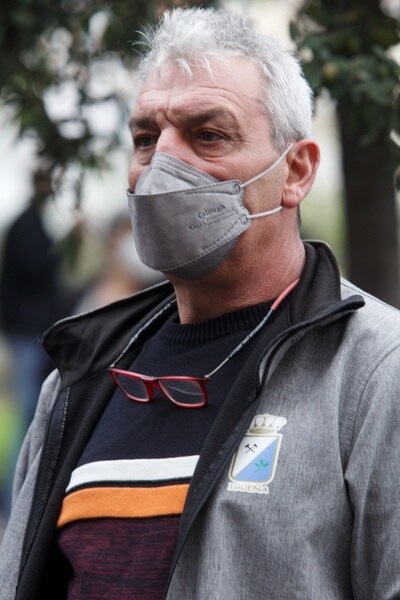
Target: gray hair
[{"x": 191, "y": 37}]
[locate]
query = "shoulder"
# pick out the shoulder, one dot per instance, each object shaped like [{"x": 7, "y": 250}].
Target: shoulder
[
  {"x": 375, "y": 314},
  {"x": 372, "y": 338}
]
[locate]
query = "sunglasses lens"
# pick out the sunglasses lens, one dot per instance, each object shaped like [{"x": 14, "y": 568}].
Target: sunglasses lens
[
  {"x": 183, "y": 391},
  {"x": 133, "y": 387}
]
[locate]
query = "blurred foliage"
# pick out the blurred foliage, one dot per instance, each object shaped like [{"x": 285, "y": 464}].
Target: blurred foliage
[
  {"x": 345, "y": 47},
  {"x": 60, "y": 62},
  {"x": 53, "y": 51}
]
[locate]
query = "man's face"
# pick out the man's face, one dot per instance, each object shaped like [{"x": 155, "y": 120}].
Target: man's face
[{"x": 214, "y": 124}]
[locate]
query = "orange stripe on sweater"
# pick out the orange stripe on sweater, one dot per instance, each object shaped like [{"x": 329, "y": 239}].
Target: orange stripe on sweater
[{"x": 123, "y": 502}]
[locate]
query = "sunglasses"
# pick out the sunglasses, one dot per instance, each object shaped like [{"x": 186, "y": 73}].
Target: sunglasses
[{"x": 184, "y": 391}]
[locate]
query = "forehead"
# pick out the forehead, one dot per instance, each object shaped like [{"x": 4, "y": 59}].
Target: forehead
[{"x": 234, "y": 85}]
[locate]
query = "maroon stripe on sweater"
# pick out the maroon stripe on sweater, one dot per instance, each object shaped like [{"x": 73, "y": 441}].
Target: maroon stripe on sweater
[{"x": 125, "y": 559}]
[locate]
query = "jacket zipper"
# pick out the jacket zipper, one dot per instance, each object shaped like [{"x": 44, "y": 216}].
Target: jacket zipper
[
  {"x": 55, "y": 444},
  {"x": 263, "y": 369}
]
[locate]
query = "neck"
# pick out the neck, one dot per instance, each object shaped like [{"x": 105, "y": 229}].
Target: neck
[{"x": 234, "y": 286}]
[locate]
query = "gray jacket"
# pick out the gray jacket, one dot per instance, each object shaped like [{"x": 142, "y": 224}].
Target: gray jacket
[{"x": 314, "y": 514}]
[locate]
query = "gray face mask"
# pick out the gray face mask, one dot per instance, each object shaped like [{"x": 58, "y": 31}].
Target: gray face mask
[{"x": 184, "y": 221}]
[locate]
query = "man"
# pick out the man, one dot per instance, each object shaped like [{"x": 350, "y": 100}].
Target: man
[{"x": 234, "y": 434}]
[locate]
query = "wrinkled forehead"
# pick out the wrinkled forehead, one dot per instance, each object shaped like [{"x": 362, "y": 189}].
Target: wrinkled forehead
[{"x": 213, "y": 71}]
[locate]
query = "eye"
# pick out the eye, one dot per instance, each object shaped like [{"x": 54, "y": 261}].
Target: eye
[
  {"x": 208, "y": 135},
  {"x": 144, "y": 141}
]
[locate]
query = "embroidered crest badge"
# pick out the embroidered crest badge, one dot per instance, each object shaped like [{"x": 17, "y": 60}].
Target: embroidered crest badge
[{"x": 254, "y": 463}]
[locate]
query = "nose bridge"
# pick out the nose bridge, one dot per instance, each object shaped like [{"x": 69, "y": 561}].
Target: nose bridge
[
  {"x": 155, "y": 384},
  {"x": 169, "y": 141}
]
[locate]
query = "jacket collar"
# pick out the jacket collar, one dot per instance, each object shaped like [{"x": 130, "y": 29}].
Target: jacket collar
[{"x": 82, "y": 345}]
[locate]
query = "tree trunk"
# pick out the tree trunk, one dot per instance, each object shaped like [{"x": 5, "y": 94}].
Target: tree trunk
[{"x": 371, "y": 216}]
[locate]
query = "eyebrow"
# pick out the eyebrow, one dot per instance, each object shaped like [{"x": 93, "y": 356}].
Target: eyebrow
[
  {"x": 141, "y": 122},
  {"x": 197, "y": 118}
]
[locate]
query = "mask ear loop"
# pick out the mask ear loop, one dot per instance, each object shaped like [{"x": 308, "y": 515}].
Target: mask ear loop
[
  {"x": 277, "y": 209},
  {"x": 266, "y": 213}
]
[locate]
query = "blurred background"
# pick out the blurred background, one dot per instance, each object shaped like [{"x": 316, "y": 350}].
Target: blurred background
[{"x": 67, "y": 86}]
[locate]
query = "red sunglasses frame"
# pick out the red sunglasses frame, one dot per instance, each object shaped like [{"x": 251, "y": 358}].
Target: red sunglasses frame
[{"x": 156, "y": 382}]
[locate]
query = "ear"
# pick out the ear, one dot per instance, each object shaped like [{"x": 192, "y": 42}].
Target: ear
[{"x": 302, "y": 162}]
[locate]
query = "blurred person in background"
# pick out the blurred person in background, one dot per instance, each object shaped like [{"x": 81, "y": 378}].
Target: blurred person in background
[
  {"x": 231, "y": 433},
  {"x": 32, "y": 297},
  {"x": 121, "y": 273}
]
